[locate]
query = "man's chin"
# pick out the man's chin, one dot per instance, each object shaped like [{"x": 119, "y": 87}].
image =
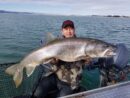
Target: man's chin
[{"x": 69, "y": 36}]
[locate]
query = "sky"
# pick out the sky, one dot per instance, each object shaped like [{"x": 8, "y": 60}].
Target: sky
[{"x": 69, "y": 7}]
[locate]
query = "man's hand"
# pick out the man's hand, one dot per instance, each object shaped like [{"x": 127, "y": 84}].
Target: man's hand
[{"x": 54, "y": 61}]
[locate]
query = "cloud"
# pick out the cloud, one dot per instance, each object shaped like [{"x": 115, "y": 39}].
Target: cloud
[{"x": 82, "y": 7}]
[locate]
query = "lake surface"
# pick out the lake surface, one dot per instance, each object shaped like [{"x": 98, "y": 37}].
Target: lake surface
[{"x": 22, "y": 33}]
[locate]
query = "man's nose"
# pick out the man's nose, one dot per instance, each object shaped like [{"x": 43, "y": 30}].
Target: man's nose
[{"x": 68, "y": 30}]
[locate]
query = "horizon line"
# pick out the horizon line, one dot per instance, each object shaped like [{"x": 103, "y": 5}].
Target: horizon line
[{"x": 29, "y": 12}]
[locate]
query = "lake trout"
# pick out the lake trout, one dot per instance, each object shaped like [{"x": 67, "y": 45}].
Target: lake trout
[{"x": 69, "y": 50}]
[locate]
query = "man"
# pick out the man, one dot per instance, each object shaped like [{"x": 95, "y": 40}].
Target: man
[
  {"x": 63, "y": 78},
  {"x": 68, "y": 29}
]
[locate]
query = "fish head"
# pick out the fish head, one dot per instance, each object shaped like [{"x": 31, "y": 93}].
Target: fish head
[
  {"x": 106, "y": 50},
  {"x": 98, "y": 50}
]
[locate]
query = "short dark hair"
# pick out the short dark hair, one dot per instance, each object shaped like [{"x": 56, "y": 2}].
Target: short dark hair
[{"x": 68, "y": 23}]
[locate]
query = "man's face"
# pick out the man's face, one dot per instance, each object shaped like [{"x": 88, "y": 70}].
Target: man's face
[{"x": 68, "y": 32}]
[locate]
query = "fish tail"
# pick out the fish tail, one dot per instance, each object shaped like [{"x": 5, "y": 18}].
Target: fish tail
[{"x": 16, "y": 72}]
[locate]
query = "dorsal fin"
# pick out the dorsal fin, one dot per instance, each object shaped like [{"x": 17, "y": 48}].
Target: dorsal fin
[{"x": 50, "y": 37}]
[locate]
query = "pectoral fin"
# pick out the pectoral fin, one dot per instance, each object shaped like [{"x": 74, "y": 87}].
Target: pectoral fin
[
  {"x": 82, "y": 58},
  {"x": 49, "y": 60}
]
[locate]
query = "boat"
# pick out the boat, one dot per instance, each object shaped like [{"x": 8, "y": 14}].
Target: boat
[
  {"x": 8, "y": 90},
  {"x": 120, "y": 90}
]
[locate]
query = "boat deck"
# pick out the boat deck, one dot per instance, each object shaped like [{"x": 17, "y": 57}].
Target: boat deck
[{"x": 120, "y": 90}]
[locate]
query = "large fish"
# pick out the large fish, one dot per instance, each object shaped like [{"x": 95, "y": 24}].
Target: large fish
[{"x": 69, "y": 50}]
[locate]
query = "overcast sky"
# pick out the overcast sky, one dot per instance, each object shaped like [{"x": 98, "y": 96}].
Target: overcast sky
[{"x": 69, "y": 7}]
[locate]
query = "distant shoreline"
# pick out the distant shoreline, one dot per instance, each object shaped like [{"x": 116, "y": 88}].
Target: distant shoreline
[
  {"x": 3, "y": 11},
  {"x": 15, "y": 12}
]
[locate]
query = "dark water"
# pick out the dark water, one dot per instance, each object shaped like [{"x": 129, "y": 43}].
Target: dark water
[{"x": 21, "y": 33}]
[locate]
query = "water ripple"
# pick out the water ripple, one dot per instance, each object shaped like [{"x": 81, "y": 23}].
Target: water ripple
[{"x": 20, "y": 34}]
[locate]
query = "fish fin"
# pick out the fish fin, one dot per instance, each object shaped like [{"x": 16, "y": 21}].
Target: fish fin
[
  {"x": 47, "y": 60},
  {"x": 16, "y": 72},
  {"x": 30, "y": 69},
  {"x": 18, "y": 77},
  {"x": 12, "y": 69},
  {"x": 82, "y": 58},
  {"x": 50, "y": 37}
]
